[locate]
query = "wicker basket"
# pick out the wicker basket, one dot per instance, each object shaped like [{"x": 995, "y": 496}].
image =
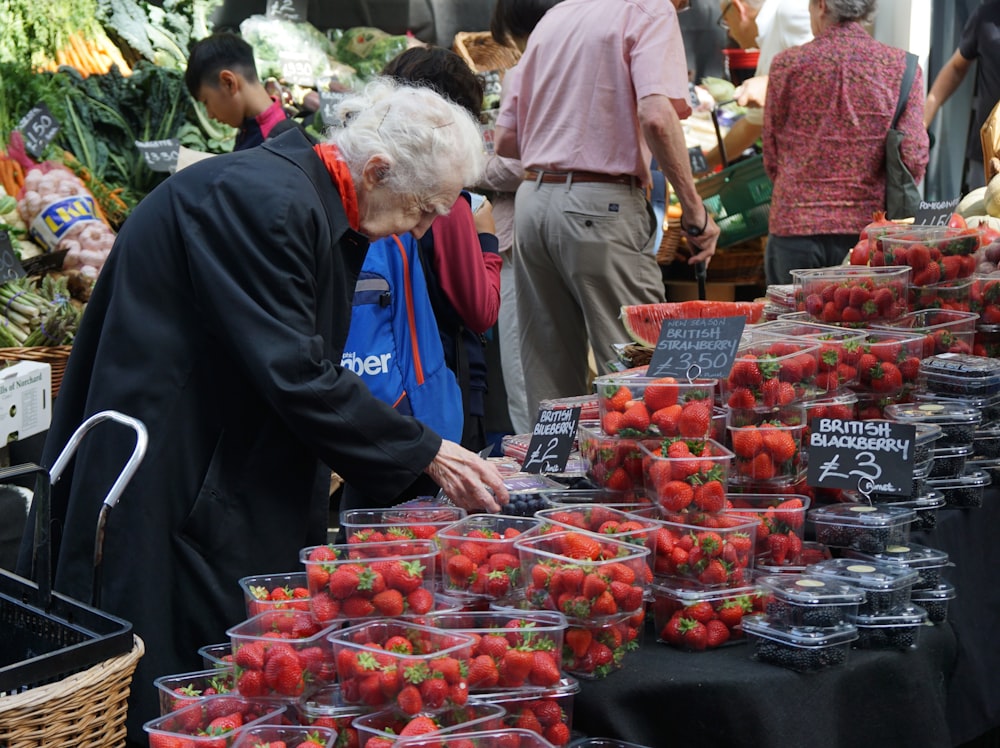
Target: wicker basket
[
  {"x": 669, "y": 244},
  {"x": 85, "y": 709},
  {"x": 482, "y": 53},
  {"x": 55, "y": 355}
]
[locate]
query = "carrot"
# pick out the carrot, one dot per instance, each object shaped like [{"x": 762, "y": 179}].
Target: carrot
[
  {"x": 7, "y": 178},
  {"x": 18, "y": 172},
  {"x": 79, "y": 50}
]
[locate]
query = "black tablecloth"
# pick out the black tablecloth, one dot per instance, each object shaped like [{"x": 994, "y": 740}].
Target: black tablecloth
[
  {"x": 666, "y": 697},
  {"x": 970, "y": 536},
  {"x": 945, "y": 692}
]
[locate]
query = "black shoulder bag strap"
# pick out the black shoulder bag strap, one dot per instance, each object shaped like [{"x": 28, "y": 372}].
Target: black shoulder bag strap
[{"x": 904, "y": 88}]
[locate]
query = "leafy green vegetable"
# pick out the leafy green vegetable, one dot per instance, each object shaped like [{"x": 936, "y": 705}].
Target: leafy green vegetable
[
  {"x": 162, "y": 35},
  {"x": 31, "y": 31}
]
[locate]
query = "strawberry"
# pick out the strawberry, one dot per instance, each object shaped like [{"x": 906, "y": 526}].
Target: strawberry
[
  {"x": 460, "y": 569},
  {"x": 409, "y": 699},
  {"x": 581, "y": 546},
  {"x": 497, "y": 584},
  {"x": 398, "y": 644},
  {"x": 604, "y": 605},
  {"x": 420, "y": 725},
  {"x": 693, "y": 634},
  {"x": 742, "y": 398},
  {"x": 544, "y": 670},
  {"x": 577, "y": 640},
  {"x": 695, "y": 421},
  {"x": 710, "y": 496},
  {"x": 557, "y": 734},
  {"x": 666, "y": 419},
  {"x": 675, "y": 495},
  {"x": 526, "y": 720},
  {"x": 780, "y": 444},
  {"x": 699, "y": 611},
  {"x": 731, "y": 613},
  {"x": 406, "y": 576},
  {"x": 389, "y": 603},
  {"x": 420, "y": 601},
  {"x": 761, "y": 468},
  {"x": 434, "y": 692},
  {"x": 715, "y": 573},
  {"x": 250, "y": 656},
  {"x": 343, "y": 583},
  {"x": 661, "y": 393},
  {"x": 224, "y": 724},
  {"x": 747, "y": 441},
  {"x": 283, "y": 674},
  {"x": 636, "y": 417},
  {"x": 619, "y": 480},
  {"x": 516, "y": 666},
  {"x": 745, "y": 373},
  {"x": 619, "y": 399},
  {"x": 612, "y": 422},
  {"x": 357, "y": 607},
  {"x": 483, "y": 672},
  {"x": 778, "y": 547},
  {"x": 716, "y": 634}
]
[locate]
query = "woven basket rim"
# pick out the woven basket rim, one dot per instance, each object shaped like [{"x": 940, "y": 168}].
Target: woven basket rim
[{"x": 95, "y": 676}]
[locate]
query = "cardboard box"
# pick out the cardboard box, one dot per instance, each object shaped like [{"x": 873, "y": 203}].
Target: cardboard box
[{"x": 25, "y": 400}]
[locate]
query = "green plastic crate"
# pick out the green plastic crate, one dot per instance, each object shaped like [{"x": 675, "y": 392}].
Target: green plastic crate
[{"x": 739, "y": 199}]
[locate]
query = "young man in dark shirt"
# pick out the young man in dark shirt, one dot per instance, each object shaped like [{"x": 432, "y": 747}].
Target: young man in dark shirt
[{"x": 222, "y": 75}]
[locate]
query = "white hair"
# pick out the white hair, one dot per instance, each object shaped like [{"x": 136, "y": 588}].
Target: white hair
[
  {"x": 850, "y": 10},
  {"x": 427, "y": 140}
]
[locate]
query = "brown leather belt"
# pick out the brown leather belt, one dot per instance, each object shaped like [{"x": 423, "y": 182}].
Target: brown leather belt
[{"x": 561, "y": 177}]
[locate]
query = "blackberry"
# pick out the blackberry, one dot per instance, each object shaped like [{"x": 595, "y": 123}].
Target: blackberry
[
  {"x": 937, "y": 610},
  {"x": 930, "y": 577},
  {"x": 956, "y": 434},
  {"x": 926, "y": 519},
  {"x": 871, "y": 540},
  {"x": 834, "y": 655},
  {"x": 525, "y": 505},
  {"x": 822, "y": 616},
  {"x": 871, "y": 638},
  {"x": 966, "y": 498},
  {"x": 778, "y": 610},
  {"x": 948, "y": 467},
  {"x": 902, "y": 637}
]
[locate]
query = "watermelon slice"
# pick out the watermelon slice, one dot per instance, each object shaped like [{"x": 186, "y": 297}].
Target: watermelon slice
[{"x": 643, "y": 321}]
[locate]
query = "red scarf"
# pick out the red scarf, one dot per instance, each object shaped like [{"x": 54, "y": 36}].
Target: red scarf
[{"x": 341, "y": 177}]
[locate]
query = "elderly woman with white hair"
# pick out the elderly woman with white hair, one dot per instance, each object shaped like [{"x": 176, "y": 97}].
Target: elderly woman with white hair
[
  {"x": 829, "y": 106},
  {"x": 219, "y": 322}
]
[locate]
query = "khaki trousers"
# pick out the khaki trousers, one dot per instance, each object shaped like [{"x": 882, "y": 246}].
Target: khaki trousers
[{"x": 581, "y": 251}]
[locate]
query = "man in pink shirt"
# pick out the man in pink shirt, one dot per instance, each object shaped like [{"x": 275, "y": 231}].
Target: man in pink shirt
[{"x": 595, "y": 95}]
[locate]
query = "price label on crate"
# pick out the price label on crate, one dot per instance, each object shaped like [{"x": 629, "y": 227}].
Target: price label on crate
[
  {"x": 551, "y": 440},
  {"x": 936, "y": 213},
  {"x": 39, "y": 126},
  {"x": 699, "y": 164},
  {"x": 866, "y": 456},
  {"x": 288, "y": 10},
  {"x": 160, "y": 155},
  {"x": 696, "y": 347},
  {"x": 297, "y": 67},
  {"x": 328, "y": 103},
  {"x": 10, "y": 266}
]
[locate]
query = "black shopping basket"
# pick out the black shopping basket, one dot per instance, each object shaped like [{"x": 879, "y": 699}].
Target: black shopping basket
[{"x": 47, "y": 636}]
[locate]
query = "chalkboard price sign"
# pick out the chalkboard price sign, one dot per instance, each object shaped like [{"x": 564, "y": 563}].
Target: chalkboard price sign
[
  {"x": 10, "y": 266},
  {"x": 699, "y": 164},
  {"x": 551, "y": 441},
  {"x": 160, "y": 155},
  {"x": 39, "y": 126},
  {"x": 288, "y": 10},
  {"x": 704, "y": 347},
  {"x": 328, "y": 103},
  {"x": 936, "y": 213},
  {"x": 866, "y": 456}
]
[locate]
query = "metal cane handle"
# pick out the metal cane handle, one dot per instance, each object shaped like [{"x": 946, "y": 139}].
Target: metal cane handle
[{"x": 141, "y": 441}]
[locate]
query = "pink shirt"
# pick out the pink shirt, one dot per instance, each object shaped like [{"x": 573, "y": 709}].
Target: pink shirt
[{"x": 572, "y": 98}]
